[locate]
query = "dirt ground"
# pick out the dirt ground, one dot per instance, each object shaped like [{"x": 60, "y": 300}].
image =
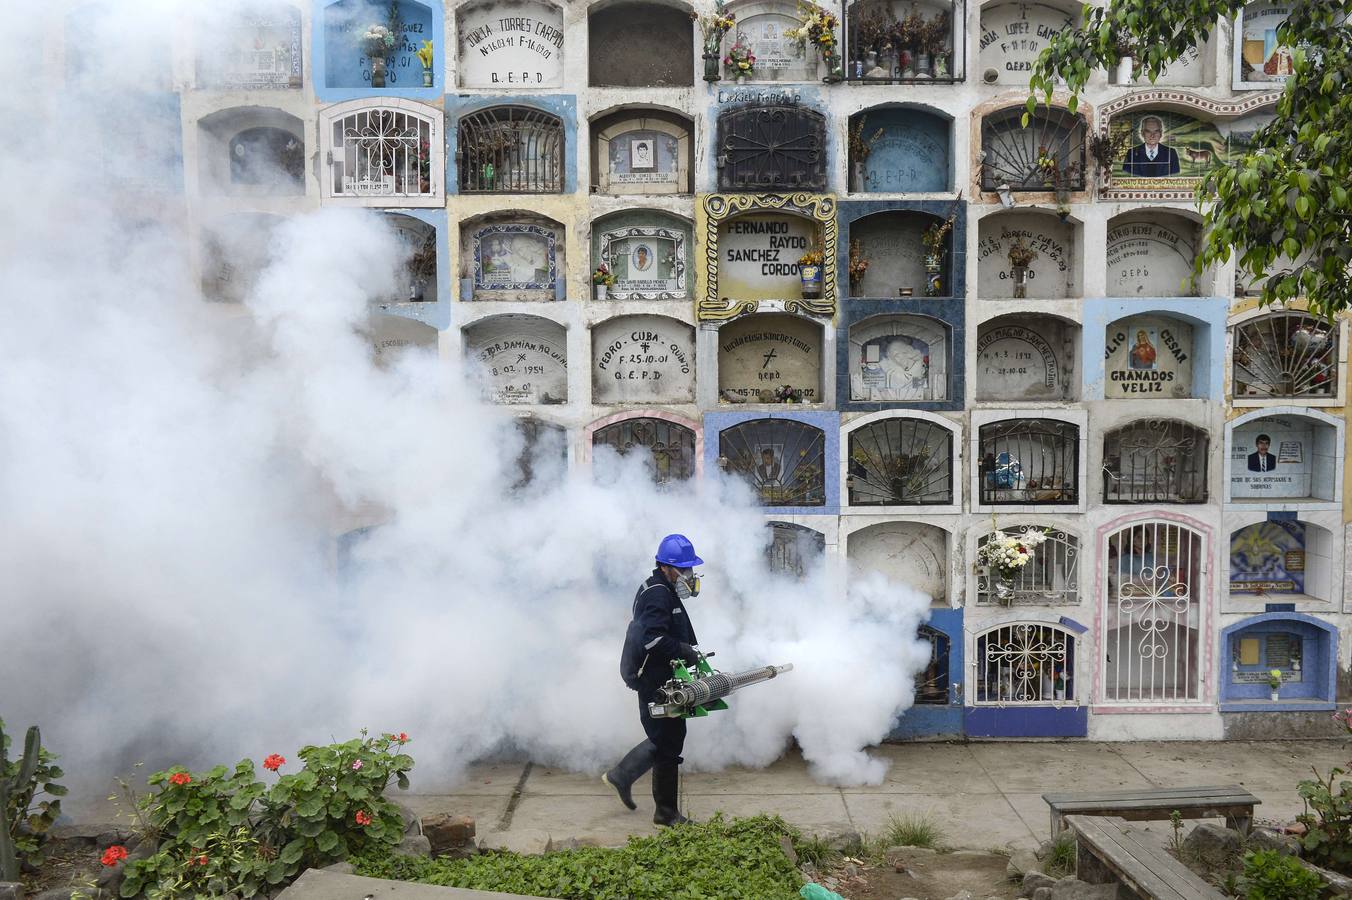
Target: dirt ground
[
  {"x": 67, "y": 864},
  {"x": 926, "y": 876}
]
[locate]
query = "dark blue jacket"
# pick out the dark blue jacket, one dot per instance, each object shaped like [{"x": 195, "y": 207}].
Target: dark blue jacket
[
  {"x": 658, "y": 629},
  {"x": 1137, "y": 163}
]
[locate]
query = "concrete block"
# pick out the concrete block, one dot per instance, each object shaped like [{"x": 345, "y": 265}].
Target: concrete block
[
  {"x": 447, "y": 832},
  {"x": 319, "y": 884}
]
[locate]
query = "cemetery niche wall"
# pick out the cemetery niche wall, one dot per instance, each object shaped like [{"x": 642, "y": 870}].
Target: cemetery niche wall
[
  {"x": 520, "y": 359},
  {"x": 639, "y": 44},
  {"x": 895, "y": 41},
  {"x": 510, "y": 150},
  {"x": 770, "y": 358},
  {"x": 910, "y": 553},
  {"x": 643, "y": 359},
  {"x": 251, "y": 151},
  {"x": 793, "y": 550},
  {"x": 896, "y": 150},
  {"x": 771, "y": 147},
  {"x": 899, "y": 461},
  {"x": 1151, "y": 255},
  {"x": 1014, "y": 34},
  {"x": 381, "y": 153},
  {"x": 1259, "y": 60},
  {"x": 898, "y": 358},
  {"x": 1285, "y": 355},
  {"x": 1301, "y": 648},
  {"x": 1172, "y": 138},
  {"x": 642, "y": 151},
  {"x": 1285, "y": 456},
  {"x": 1148, "y": 358},
  {"x": 509, "y": 45},
  {"x": 235, "y": 249},
  {"x": 1054, "y": 271},
  {"x": 646, "y": 251},
  {"x": 1026, "y": 357},
  {"x": 417, "y": 279},
  {"x": 783, "y": 460},
  {"x": 892, "y": 242},
  {"x": 1282, "y": 558},
  {"x": 253, "y": 49},
  {"x": 764, "y": 26},
  {"x": 347, "y": 61},
  {"x": 518, "y": 257},
  {"x": 751, "y": 247},
  {"x": 669, "y": 449},
  {"x": 1048, "y": 155}
]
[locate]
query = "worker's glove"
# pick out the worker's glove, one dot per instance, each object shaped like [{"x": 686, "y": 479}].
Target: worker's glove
[{"x": 689, "y": 654}]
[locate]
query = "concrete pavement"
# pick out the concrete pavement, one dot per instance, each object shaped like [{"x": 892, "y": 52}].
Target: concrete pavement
[{"x": 984, "y": 795}]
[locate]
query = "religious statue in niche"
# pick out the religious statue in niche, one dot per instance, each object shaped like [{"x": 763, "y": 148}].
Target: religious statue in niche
[
  {"x": 894, "y": 367},
  {"x": 1151, "y": 158}
]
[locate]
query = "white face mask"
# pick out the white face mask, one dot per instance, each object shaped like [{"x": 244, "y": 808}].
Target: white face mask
[{"x": 687, "y": 584}]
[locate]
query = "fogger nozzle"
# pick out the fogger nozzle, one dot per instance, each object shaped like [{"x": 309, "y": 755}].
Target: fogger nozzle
[{"x": 678, "y": 698}]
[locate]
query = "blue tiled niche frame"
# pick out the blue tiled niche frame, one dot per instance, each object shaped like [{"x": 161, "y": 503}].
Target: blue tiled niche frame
[
  {"x": 412, "y": 88},
  {"x": 829, "y": 422},
  {"x": 951, "y": 310},
  {"x": 1316, "y": 690}
]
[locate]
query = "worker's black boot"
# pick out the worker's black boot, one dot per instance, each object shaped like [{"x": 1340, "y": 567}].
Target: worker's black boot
[
  {"x": 630, "y": 769},
  {"x": 666, "y": 781}
]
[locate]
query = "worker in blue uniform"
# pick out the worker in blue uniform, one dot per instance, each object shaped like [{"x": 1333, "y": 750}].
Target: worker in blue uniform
[{"x": 659, "y": 633}]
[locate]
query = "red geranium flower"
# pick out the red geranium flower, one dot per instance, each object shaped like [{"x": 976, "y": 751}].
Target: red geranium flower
[
  {"x": 180, "y": 778},
  {"x": 403, "y": 738},
  {"x": 200, "y": 860},
  {"x": 114, "y": 855},
  {"x": 274, "y": 762},
  {"x": 363, "y": 817}
]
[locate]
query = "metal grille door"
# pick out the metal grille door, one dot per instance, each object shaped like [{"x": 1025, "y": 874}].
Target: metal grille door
[
  {"x": 1155, "y": 461},
  {"x": 901, "y": 462},
  {"x": 382, "y": 153},
  {"x": 510, "y": 150},
  {"x": 1012, "y": 152},
  {"x": 1286, "y": 355},
  {"x": 670, "y": 447},
  {"x": 784, "y": 460},
  {"x": 1030, "y": 461},
  {"x": 1024, "y": 663},
  {"x": 773, "y": 148}
]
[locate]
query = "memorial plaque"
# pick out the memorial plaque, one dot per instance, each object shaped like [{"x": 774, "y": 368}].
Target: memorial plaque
[
  {"x": 1015, "y": 362},
  {"x": 346, "y": 64},
  {"x": 909, "y": 553},
  {"x": 1171, "y": 151},
  {"x": 1268, "y": 558},
  {"x": 508, "y": 44},
  {"x": 1260, "y": 59},
  {"x": 514, "y": 257},
  {"x": 1273, "y": 458},
  {"x": 1186, "y": 71},
  {"x": 1012, "y": 37},
  {"x": 392, "y": 336},
  {"x": 911, "y": 154},
  {"x": 522, "y": 359},
  {"x": 645, "y": 158},
  {"x": 1049, "y": 275},
  {"x": 259, "y": 48},
  {"x": 778, "y": 57},
  {"x": 648, "y": 263},
  {"x": 758, "y": 256},
  {"x": 1148, "y": 357},
  {"x": 1146, "y": 259},
  {"x": 760, "y": 356},
  {"x": 898, "y": 358},
  {"x": 643, "y": 359}
]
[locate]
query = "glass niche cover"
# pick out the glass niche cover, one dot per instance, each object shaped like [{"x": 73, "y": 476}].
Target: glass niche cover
[
  {"x": 514, "y": 258},
  {"x": 648, "y": 263}
]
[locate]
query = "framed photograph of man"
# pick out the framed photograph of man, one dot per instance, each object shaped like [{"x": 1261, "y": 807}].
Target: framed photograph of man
[
  {"x": 642, "y": 154},
  {"x": 1169, "y": 150},
  {"x": 648, "y": 263}
]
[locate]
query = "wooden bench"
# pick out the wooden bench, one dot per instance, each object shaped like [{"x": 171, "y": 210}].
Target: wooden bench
[
  {"x": 1228, "y": 801},
  {"x": 1108, "y": 851}
]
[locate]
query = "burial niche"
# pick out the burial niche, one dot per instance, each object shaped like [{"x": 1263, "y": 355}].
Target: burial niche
[
  {"x": 637, "y": 44},
  {"x": 793, "y": 550},
  {"x": 891, "y": 242},
  {"x": 518, "y": 258},
  {"x": 347, "y": 63},
  {"x": 1026, "y": 358},
  {"x": 647, "y": 254},
  {"x": 1151, "y": 256},
  {"x": 252, "y": 151},
  {"x": 1034, "y": 250},
  {"x": 668, "y": 448},
  {"x": 642, "y": 152},
  {"x": 758, "y": 255},
  {"x": 1046, "y": 155},
  {"x": 382, "y": 154},
  {"x": 1029, "y": 461},
  {"x": 908, "y": 553},
  {"x": 1155, "y": 461},
  {"x": 235, "y": 250},
  {"x": 783, "y": 460},
  {"x": 510, "y": 150},
  {"x": 905, "y": 41},
  {"x": 898, "y": 150},
  {"x": 1051, "y": 577},
  {"x": 1285, "y": 355},
  {"x": 899, "y": 358},
  {"x": 764, "y": 27},
  {"x": 1013, "y": 35},
  {"x": 417, "y": 280},
  {"x": 769, "y": 358},
  {"x": 521, "y": 359},
  {"x": 1148, "y": 358},
  {"x": 510, "y": 44},
  {"x": 1259, "y": 60},
  {"x": 1284, "y": 458},
  {"x": 253, "y": 49},
  {"x": 1168, "y": 150},
  {"x": 771, "y": 148},
  {"x": 391, "y": 336},
  {"x": 1281, "y": 556},
  {"x": 643, "y": 359},
  {"x": 900, "y": 462}
]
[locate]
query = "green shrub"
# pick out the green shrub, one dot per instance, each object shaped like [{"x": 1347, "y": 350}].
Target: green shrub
[
  {"x": 1268, "y": 875},
  {"x": 1328, "y": 822},
  {"x": 24, "y": 819},
  {"x": 1061, "y": 860},
  {"x": 724, "y": 859},
  {"x": 227, "y": 832},
  {"x": 912, "y": 831}
]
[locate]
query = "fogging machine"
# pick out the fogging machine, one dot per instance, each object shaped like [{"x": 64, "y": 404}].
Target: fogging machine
[{"x": 699, "y": 689}]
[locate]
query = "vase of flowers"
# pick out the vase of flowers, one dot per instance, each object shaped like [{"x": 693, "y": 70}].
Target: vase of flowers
[
  {"x": 712, "y": 29},
  {"x": 817, "y": 28},
  {"x": 602, "y": 279},
  {"x": 858, "y": 265},
  {"x": 1059, "y": 684},
  {"x": 377, "y": 43},
  {"x": 860, "y": 148},
  {"x": 909, "y": 37},
  {"x": 740, "y": 61},
  {"x": 1274, "y": 684},
  {"x": 1021, "y": 257},
  {"x": 810, "y": 272},
  {"x": 935, "y": 240},
  {"x": 1004, "y": 555},
  {"x": 424, "y": 55}
]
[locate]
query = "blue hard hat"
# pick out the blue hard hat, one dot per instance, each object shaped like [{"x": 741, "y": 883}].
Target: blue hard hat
[{"x": 676, "y": 550}]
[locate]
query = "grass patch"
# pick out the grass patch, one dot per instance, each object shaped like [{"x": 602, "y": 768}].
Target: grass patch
[
  {"x": 815, "y": 850},
  {"x": 737, "y": 858},
  {"x": 912, "y": 831},
  {"x": 1061, "y": 860}
]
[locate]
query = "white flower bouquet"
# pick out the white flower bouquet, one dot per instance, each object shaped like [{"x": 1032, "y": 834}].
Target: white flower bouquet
[
  {"x": 378, "y": 41},
  {"x": 1007, "y": 553}
]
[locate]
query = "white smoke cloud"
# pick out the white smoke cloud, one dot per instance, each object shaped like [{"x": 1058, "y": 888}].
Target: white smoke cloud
[{"x": 174, "y": 474}]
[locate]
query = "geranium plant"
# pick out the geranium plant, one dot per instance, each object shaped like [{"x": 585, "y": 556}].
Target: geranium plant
[{"x": 740, "y": 60}]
